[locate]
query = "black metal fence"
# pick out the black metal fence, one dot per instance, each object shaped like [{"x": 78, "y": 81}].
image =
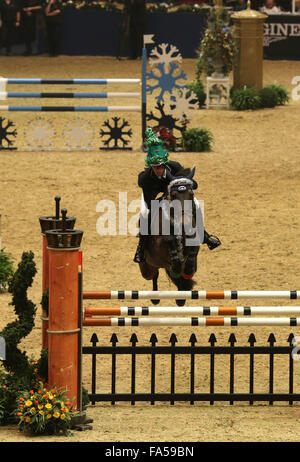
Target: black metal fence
[{"x": 192, "y": 350}]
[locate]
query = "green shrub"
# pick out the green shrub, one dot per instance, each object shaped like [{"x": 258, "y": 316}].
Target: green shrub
[
  {"x": 268, "y": 97},
  {"x": 244, "y": 99},
  {"x": 10, "y": 387},
  {"x": 42, "y": 365},
  {"x": 249, "y": 98},
  {"x": 197, "y": 140},
  {"x": 198, "y": 89},
  {"x": 6, "y": 269},
  {"x": 21, "y": 376},
  {"x": 17, "y": 372},
  {"x": 281, "y": 93}
]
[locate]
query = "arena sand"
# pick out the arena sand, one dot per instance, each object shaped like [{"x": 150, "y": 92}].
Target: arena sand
[{"x": 250, "y": 185}]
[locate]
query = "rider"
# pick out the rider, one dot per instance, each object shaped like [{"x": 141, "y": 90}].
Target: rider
[{"x": 153, "y": 180}]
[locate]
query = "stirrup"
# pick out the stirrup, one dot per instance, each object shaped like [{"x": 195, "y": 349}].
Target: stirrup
[{"x": 212, "y": 242}]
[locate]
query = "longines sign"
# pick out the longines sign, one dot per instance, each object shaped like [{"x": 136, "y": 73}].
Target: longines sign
[{"x": 274, "y": 32}]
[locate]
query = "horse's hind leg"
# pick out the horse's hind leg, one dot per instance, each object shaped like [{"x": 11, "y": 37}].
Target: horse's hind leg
[{"x": 148, "y": 272}]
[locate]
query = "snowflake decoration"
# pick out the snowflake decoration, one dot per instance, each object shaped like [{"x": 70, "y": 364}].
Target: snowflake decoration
[
  {"x": 78, "y": 135},
  {"x": 6, "y": 133},
  {"x": 39, "y": 134},
  {"x": 166, "y": 81},
  {"x": 116, "y": 134},
  {"x": 181, "y": 104},
  {"x": 166, "y": 57},
  {"x": 167, "y": 120}
]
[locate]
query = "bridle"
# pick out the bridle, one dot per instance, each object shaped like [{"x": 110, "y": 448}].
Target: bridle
[{"x": 180, "y": 185}]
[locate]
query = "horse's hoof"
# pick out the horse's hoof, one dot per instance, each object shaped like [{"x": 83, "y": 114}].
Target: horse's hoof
[
  {"x": 155, "y": 302},
  {"x": 180, "y": 302}
]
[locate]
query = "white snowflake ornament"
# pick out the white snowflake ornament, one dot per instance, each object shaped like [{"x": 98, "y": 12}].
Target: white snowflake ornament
[
  {"x": 166, "y": 55},
  {"x": 181, "y": 105},
  {"x": 78, "y": 135},
  {"x": 39, "y": 134}
]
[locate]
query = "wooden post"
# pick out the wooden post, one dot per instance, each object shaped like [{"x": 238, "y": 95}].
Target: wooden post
[
  {"x": 65, "y": 316},
  {"x": 248, "y": 32},
  {"x": 48, "y": 223},
  {"x": 64, "y": 327}
]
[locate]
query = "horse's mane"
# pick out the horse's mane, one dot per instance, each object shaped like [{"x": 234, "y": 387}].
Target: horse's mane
[{"x": 184, "y": 172}]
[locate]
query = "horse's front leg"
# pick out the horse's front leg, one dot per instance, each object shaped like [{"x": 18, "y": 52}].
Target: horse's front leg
[
  {"x": 175, "y": 262},
  {"x": 154, "y": 288},
  {"x": 190, "y": 266}
]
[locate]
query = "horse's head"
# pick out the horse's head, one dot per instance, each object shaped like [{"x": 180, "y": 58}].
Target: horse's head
[
  {"x": 180, "y": 189},
  {"x": 181, "y": 186}
]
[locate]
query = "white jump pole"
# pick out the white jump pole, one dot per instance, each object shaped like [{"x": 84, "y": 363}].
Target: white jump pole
[
  {"x": 194, "y": 321},
  {"x": 192, "y": 295},
  {"x": 192, "y": 311}
]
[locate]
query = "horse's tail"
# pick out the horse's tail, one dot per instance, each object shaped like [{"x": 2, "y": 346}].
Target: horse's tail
[{"x": 180, "y": 282}]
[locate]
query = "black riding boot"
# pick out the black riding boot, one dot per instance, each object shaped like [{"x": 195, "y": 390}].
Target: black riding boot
[
  {"x": 211, "y": 241},
  {"x": 139, "y": 254}
]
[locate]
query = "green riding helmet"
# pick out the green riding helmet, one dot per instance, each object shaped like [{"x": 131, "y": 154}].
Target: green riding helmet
[{"x": 156, "y": 155}]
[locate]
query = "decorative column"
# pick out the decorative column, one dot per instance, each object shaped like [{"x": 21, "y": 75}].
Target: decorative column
[
  {"x": 249, "y": 31},
  {"x": 65, "y": 317},
  {"x": 64, "y": 328},
  {"x": 48, "y": 223}
]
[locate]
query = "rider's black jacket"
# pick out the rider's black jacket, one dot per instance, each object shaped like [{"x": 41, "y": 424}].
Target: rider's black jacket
[{"x": 152, "y": 185}]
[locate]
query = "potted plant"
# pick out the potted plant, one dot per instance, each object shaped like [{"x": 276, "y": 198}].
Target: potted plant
[{"x": 217, "y": 50}]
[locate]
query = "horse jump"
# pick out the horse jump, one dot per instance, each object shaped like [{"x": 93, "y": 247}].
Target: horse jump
[
  {"x": 21, "y": 95},
  {"x": 62, "y": 274},
  {"x": 192, "y": 310},
  {"x": 193, "y": 321},
  {"x": 70, "y": 108},
  {"x": 4, "y": 95},
  {"x": 189, "y": 294}
]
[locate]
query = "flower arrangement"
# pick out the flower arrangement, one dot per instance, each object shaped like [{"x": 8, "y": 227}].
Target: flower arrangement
[
  {"x": 165, "y": 134},
  {"x": 189, "y": 8},
  {"x": 218, "y": 47},
  {"x": 166, "y": 7},
  {"x": 94, "y": 4},
  {"x": 159, "y": 6},
  {"x": 173, "y": 7},
  {"x": 44, "y": 411}
]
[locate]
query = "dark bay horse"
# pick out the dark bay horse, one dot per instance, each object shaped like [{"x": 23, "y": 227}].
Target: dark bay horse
[{"x": 173, "y": 250}]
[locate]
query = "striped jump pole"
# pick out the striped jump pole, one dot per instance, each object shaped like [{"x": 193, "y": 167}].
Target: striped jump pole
[
  {"x": 82, "y": 81},
  {"x": 71, "y": 108},
  {"x": 21, "y": 94},
  {"x": 36, "y": 81},
  {"x": 193, "y": 321},
  {"x": 196, "y": 311},
  {"x": 191, "y": 294}
]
